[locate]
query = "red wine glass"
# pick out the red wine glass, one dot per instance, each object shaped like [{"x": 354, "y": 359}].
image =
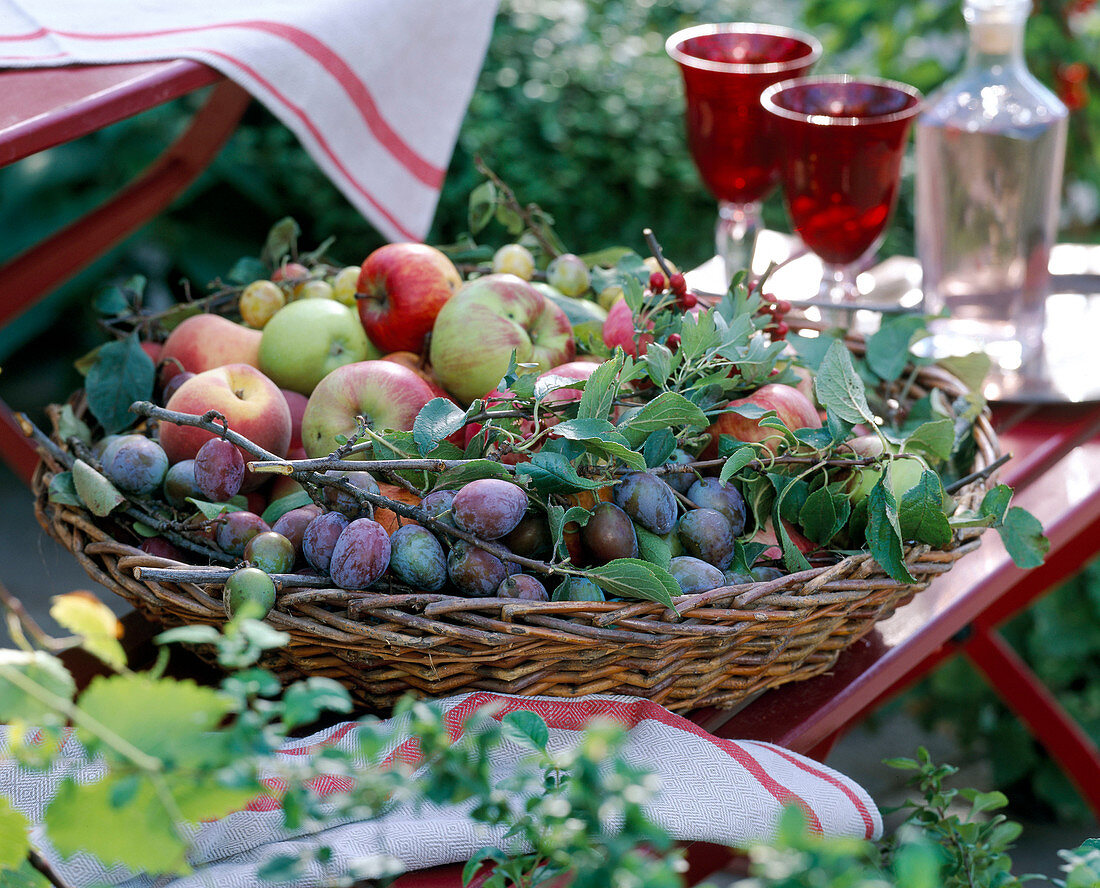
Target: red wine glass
[
  {"x": 725, "y": 68},
  {"x": 842, "y": 142}
]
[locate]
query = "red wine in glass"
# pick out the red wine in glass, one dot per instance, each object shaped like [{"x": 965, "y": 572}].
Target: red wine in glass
[
  {"x": 842, "y": 143},
  {"x": 725, "y": 68}
]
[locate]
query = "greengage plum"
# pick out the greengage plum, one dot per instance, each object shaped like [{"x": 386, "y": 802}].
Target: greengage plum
[
  {"x": 293, "y": 524},
  {"x": 179, "y": 484},
  {"x": 489, "y": 508},
  {"x": 530, "y": 538},
  {"x": 134, "y": 464},
  {"x": 319, "y": 539},
  {"x": 707, "y": 534},
  {"x": 271, "y": 552},
  {"x": 578, "y": 589},
  {"x": 609, "y": 534},
  {"x": 476, "y": 573},
  {"x": 219, "y": 470},
  {"x": 361, "y": 554},
  {"x": 710, "y": 493},
  {"x": 340, "y": 501},
  {"x": 249, "y": 592},
  {"x": 417, "y": 558},
  {"x": 523, "y": 586},
  {"x": 647, "y": 500},
  {"x": 695, "y": 575},
  {"x": 569, "y": 274},
  {"x": 235, "y": 529}
]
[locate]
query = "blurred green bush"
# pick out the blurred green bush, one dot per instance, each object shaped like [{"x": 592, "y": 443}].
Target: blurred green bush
[{"x": 579, "y": 109}]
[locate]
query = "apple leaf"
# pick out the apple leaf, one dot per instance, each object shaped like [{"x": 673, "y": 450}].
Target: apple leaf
[
  {"x": 121, "y": 374},
  {"x": 823, "y": 514},
  {"x": 740, "y": 458},
  {"x": 634, "y": 578},
  {"x": 285, "y": 504},
  {"x": 658, "y": 447},
  {"x": 98, "y": 494},
  {"x": 667, "y": 410},
  {"x": 99, "y": 629},
  {"x": 601, "y": 438},
  {"x": 935, "y": 439},
  {"x": 62, "y": 490},
  {"x": 437, "y": 419},
  {"x": 553, "y": 473},
  {"x": 839, "y": 388},
  {"x": 888, "y": 347},
  {"x": 14, "y": 842},
  {"x": 652, "y": 547},
  {"x": 884, "y": 532},
  {"x": 1023, "y": 538},
  {"x": 995, "y": 503},
  {"x": 920, "y": 512}
]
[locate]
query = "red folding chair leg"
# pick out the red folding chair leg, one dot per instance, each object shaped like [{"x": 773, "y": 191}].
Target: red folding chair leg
[{"x": 1076, "y": 754}]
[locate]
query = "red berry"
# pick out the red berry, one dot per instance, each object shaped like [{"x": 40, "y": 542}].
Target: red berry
[
  {"x": 673, "y": 341},
  {"x": 657, "y": 282},
  {"x": 687, "y": 300},
  {"x": 781, "y": 331},
  {"x": 783, "y": 307},
  {"x": 678, "y": 284}
]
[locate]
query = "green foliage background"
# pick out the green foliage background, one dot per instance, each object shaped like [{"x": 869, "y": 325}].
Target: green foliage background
[{"x": 579, "y": 109}]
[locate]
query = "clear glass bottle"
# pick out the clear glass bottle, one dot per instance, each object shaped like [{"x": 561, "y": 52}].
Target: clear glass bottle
[{"x": 990, "y": 147}]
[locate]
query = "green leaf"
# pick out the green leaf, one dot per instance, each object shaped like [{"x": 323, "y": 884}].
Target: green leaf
[
  {"x": 920, "y": 512},
  {"x": 62, "y": 490},
  {"x": 14, "y": 843},
  {"x": 792, "y": 556},
  {"x": 652, "y": 547},
  {"x": 471, "y": 471},
  {"x": 122, "y": 373},
  {"x": 888, "y": 347},
  {"x": 69, "y": 426},
  {"x": 658, "y": 448},
  {"x": 1023, "y": 538},
  {"x": 697, "y": 335},
  {"x": 282, "y": 868},
  {"x": 839, "y": 388},
  {"x": 995, "y": 503},
  {"x": 634, "y": 578},
  {"x": 558, "y": 517},
  {"x": 213, "y": 510},
  {"x": 110, "y": 301},
  {"x": 970, "y": 369},
  {"x": 438, "y": 419},
  {"x": 246, "y": 270},
  {"x": 23, "y": 876},
  {"x": 198, "y": 633},
  {"x": 658, "y": 361},
  {"x": 482, "y": 856},
  {"x": 600, "y": 437},
  {"x": 483, "y": 201},
  {"x": 144, "y": 530},
  {"x": 96, "y": 624},
  {"x": 44, "y": 671},
  {"x": 305, "y": 701},
  {"x": 282, "y": 240},
  {"x": 667, "y": 410},
  {"x": 601, "y": 388},
  {"x": 553, "y": 473},
  {"x": 285, "y": 504},
  {"x": 935, "y": 439},
  {"x": 525, "y": 728},
  {"x": 98, "y": 494},
  {"x": 741, "y": 457},
  {"x": 884, "y": 532},
  {"x": 823, "y": 514}
]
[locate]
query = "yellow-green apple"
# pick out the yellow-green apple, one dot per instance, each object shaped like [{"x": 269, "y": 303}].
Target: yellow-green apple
[
  {"x": 401, "y": 289},
  {"x": 205, "y": 341},
  {"x": 296, "y": 401},
  {"x": 250, "y": 402},
  {"x": 413, "y": 362},
  {"x": 385, "y": 394},
  {"x": 618, "y": 330},
  {"x": 308, "y": 339},
  {"x": 489, "y": 318},
  {"x": 792, "y": 407}
]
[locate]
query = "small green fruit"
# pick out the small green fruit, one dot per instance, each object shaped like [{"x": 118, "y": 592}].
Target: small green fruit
[{"x": 249, "y": 592}]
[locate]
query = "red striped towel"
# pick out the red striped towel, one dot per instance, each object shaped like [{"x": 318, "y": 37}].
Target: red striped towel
[
  {"x": 374, "y": 89},
  {"x": 721, "y": 791}
]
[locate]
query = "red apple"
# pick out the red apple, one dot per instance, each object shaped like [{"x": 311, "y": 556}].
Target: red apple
[
  {"x": 401, "y": 289},
  {"x": 205, "y": 341},
  {"x": 618, "y": 330},
  {"x": 153, "y": 350},
  {"x": 489, "y": 318},
  {"x": 579, "y": 369},
  {"x": 251, "y": 403},
  {"x": 388, "y": 395},
  {"x": 296, "y": 401},
  {"x": 413, "y": 362},
  {"x": 766, "y": 535},
  {"x": 792, "y": 407}
]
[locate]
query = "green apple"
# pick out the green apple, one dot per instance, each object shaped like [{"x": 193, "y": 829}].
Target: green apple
[{"x": 308, "y": 339}]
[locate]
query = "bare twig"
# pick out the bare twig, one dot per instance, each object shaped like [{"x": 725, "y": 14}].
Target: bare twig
[
  {"x": 43, "y": 866},
  {"x": 979, "y": 475}
]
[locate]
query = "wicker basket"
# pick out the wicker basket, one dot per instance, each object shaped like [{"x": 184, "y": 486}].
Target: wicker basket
[{"x": 717, "y": 648}]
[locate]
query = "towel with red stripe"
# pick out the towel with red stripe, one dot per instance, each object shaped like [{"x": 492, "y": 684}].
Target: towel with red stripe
[
  {"x": 726, "y": 792},
  {"x": 374, "y": 89}
]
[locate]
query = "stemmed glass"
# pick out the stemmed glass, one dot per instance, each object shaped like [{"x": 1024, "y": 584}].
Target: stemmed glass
[
  {"x": 842, "y": 141},
  {"x": 725, "y": 68}
]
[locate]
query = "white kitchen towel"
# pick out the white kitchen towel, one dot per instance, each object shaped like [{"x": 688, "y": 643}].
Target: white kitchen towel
[
  {"x": 374, "y": 89},
  {"x": 712, "y": 790}
]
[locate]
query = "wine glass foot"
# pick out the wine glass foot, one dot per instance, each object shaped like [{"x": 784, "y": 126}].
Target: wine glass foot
[{"x": 735, "y": 235}]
